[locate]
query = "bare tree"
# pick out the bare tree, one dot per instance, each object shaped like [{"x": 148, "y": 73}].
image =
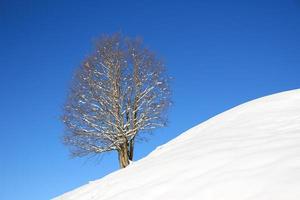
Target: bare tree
[{"x": 118, "y": 92}]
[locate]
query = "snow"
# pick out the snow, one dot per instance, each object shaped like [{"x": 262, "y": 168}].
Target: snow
[{"x": 249, "y": 152}]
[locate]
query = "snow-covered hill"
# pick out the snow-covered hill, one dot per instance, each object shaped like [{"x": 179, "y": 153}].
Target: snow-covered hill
[{"x": 249, "y": 152}]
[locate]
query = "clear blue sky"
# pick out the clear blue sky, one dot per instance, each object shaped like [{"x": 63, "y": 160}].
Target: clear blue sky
[{"x": 220, "y": 53}]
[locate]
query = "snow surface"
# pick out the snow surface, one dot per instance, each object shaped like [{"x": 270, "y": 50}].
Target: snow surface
[{"x": 249, "y": 152}]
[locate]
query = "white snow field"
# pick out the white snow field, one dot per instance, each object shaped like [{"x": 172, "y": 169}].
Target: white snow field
[{"x": 250, "y": 152}]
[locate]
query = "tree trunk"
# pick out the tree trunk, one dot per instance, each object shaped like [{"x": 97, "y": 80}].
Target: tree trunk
[
  {"x": 123, "y": 156},
  {"x": 131, "y": 149}
]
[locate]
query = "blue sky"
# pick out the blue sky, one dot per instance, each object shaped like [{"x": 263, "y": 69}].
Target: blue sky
[{"x": 220, "y": 54}]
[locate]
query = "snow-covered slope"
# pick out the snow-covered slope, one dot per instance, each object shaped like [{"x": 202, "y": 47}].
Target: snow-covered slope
[{"x": 249, "y": 152}]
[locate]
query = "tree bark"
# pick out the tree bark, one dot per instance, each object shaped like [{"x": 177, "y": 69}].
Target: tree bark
[
  {"x": 131, "y": 149},
  {"x": 123, "y": 156}
]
